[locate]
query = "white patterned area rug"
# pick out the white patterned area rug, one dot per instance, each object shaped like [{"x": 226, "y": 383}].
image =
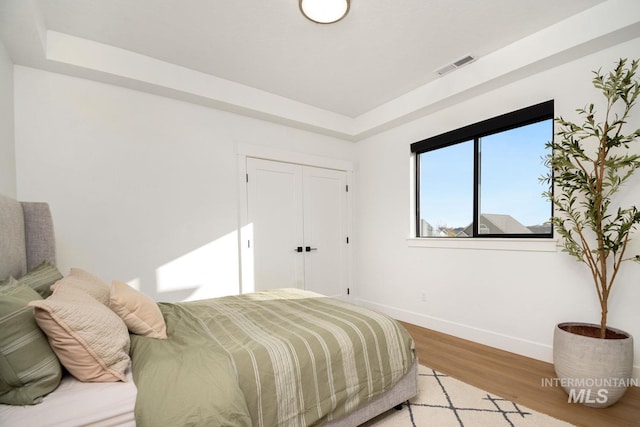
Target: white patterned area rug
[{"x": 444, "y": 401}]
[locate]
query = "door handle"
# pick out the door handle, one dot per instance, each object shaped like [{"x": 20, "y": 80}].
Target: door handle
[
  {"x": 309, "y": 249},
  {"x": 298, "y": 249}
]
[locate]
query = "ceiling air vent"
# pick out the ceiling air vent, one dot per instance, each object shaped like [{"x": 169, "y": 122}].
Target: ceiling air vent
[{"x": 456, "y": 64}]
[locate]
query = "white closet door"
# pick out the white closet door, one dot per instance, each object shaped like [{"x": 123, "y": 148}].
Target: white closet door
[
  {"x": 325, "y": 230},
  {"x": 292, "y": 206},
  {"x": 275, "y": 213}
]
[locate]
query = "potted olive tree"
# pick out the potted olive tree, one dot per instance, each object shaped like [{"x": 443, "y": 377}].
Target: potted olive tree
[{"x": 589, "y": 163}]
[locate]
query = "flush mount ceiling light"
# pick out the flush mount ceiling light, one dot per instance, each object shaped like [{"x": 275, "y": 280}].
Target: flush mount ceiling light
[{"x": 324, "y": 11}]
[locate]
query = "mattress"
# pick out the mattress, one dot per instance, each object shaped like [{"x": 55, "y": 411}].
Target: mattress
[{"x": 75, "y": 403}]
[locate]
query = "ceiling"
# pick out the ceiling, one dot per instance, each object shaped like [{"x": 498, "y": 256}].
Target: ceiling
[{"x": 344, "y": 74}]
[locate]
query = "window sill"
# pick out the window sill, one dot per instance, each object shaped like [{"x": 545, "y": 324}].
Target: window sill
[{"x": 493, "y": 244}]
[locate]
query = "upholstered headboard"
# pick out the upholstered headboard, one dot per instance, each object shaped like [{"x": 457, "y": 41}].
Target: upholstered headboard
[{"x": 26, "y": 236}]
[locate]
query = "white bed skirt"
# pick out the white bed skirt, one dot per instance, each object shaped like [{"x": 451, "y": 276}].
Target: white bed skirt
[{"x": 75, "y": 404}]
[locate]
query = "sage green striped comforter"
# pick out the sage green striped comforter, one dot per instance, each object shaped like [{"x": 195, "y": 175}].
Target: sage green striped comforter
[{"x": 276, "y": 358}]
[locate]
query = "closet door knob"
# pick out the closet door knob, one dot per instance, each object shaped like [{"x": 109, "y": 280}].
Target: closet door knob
[
  {"x": 309, "y": 249},
  {"x": 298, "y": 249}
]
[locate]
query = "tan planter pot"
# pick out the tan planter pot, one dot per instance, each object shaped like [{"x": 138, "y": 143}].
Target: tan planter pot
[{"x": 593, "y": 371}]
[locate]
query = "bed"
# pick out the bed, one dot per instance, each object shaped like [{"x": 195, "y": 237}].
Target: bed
[{"x": 284, "y": 357}]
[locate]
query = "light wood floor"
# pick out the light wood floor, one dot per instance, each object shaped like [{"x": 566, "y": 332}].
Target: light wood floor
[{"x": 517, "y": 378}]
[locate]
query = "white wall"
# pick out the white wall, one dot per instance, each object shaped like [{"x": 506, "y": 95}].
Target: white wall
[
  {"x": 505, "y": 298},
  {"x": 142, "y": 188},
  {"x": 7, "y": 153}
]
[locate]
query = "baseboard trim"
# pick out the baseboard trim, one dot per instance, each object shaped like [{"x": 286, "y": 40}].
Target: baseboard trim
[{"x": 534, "y": 350}]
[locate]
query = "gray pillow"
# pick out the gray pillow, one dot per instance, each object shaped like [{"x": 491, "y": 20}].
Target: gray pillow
[{"x": 29, "y": 369}]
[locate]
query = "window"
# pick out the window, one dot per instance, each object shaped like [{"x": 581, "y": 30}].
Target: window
[{"x": 483, "y": 180}]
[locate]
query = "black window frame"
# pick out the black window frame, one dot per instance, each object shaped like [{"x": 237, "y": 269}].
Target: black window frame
[{"x": 474, "y": 132}]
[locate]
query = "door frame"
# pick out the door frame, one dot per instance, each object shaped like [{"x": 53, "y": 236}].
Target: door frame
[{"x": 269, "y": 153}]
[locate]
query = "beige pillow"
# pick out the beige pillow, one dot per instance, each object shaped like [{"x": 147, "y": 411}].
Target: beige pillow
[
  {"x": 140, "y": 313},
  {"x": 90, "y": 340},
  {"x": 86, "y": 282}
]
